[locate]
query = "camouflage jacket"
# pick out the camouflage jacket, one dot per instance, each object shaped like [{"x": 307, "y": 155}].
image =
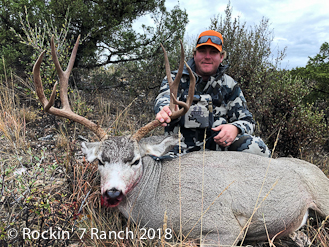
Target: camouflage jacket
[{"x": 222, "y": 92}]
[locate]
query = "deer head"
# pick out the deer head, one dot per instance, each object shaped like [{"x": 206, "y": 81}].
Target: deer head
[{"x": 121, "y": 164}]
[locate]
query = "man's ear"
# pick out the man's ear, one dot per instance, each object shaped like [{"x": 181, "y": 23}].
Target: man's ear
[
  {"x": 157, "y": 146},
  {"x": 91, "y": 150}
]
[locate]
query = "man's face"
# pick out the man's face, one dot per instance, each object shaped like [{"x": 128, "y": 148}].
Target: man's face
[{"x": 207, "y": 59}]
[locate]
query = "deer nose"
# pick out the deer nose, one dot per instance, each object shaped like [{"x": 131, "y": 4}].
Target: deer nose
[{"x": 113, "y": 193}]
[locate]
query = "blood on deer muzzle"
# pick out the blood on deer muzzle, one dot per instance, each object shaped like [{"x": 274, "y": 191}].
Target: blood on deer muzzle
[{"x": 112, "y": 198}]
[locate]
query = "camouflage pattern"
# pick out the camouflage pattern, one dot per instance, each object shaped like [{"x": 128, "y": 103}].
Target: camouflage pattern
[
  {"x": 221, "y": 94},
  {"x": 198, "y": 114}
]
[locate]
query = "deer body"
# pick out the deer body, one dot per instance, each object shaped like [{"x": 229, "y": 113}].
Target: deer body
[{"x": 291, "y": 188}]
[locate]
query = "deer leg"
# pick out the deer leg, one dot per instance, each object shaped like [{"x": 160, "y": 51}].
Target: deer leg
[
  {"x": 213, "y": 239},
  {"x": 226, "y": 235}
]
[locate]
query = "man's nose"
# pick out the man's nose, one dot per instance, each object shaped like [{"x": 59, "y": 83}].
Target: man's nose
[{"x": 207, "y": 54}]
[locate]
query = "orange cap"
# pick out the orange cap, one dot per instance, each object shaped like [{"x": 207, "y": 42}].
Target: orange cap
[{"x": 209, "y": 42}]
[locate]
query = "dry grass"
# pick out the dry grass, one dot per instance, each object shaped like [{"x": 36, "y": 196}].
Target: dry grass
[{"x": 12, "y": 122}]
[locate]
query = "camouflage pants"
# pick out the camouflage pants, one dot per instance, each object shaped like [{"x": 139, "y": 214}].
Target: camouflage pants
[
  {"x": 243, "y": 143},
  {"x": 249, "y": 144}
]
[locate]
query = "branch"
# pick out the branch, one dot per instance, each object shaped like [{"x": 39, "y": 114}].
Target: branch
[
  {"x": 319, "y": 90},
  {"x": 122, "y": 52},
  {"x": 90, "y": 66}
]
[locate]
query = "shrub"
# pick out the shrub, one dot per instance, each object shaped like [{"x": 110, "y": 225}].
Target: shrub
[{"x": 276, "y": 100}]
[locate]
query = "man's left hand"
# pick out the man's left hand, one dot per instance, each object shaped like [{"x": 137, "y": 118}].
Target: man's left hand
[{"x": 227, "y": 134}]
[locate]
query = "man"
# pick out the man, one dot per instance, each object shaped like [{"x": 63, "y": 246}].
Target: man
[{"x": 219, "y": 107}]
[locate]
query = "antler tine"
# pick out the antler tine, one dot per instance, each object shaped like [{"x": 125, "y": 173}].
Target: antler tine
[
  {"x": 66, "y": 111},
  {"x": 64, "y": 76},
  {"x": 38, "y": 82},
  {"x": 191, "y": 91},
  {"x": 173, "y": 86}
]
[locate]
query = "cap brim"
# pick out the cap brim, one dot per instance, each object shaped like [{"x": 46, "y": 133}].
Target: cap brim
[{"x": 218, "y": 47}]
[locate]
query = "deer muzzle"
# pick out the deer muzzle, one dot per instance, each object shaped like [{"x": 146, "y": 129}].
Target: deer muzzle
[{"x": 112, "y": 198}]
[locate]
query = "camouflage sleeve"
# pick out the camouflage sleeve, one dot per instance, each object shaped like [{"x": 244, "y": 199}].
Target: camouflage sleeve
[
  {"x": 238, "y": 113},
  {"x": 164, "y": 96}
]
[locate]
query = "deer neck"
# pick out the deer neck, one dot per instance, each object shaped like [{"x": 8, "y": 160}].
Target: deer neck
[{"x": 147, "y": 187}]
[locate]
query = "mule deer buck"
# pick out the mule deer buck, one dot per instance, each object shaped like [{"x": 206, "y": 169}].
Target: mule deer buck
[{"x": 272, "y": 197}]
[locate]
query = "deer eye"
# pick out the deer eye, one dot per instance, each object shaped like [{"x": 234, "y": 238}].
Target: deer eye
[
  {"x": 100, "y": 163},
  {"x": 135, "y": 163}
]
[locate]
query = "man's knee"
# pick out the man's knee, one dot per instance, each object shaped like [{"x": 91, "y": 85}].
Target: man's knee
[{"x": 250, "y": 144}]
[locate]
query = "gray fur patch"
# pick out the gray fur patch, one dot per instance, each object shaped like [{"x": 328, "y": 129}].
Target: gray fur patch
[{"x": 118, "y": 148}]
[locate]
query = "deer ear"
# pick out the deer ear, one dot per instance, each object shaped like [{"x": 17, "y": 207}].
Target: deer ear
[
  {"x": 157, "y": 146},
  {"x": 91, "y": 150}
]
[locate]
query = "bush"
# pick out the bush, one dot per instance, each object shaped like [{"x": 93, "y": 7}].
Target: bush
[{"x": 276, "y": 99}]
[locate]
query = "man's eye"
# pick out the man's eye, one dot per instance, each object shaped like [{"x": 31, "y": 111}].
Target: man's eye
[{"x": 135, "y": 163}]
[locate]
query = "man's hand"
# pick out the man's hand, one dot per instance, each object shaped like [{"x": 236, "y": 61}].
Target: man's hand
[
  {"x": 227, "y": 134},
  {"x": 164, "y": 115}
]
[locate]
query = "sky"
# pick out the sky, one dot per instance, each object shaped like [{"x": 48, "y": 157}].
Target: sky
[{"x": 301, "y": 26}]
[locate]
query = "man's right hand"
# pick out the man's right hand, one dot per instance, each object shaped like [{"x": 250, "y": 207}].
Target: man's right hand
[{"x": 164, "y": 115}]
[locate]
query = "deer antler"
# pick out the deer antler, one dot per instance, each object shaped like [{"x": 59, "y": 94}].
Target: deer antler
[
  {"x": 173, "y": 86},
  {"x": 66, "y": 111}
]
